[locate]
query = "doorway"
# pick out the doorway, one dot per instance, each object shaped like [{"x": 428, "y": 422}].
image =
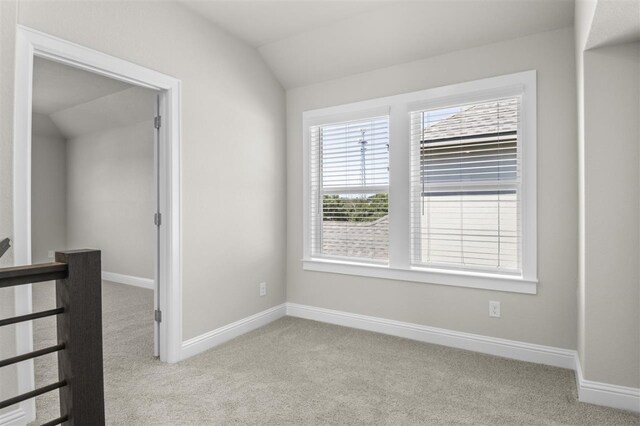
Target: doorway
[
  {"x": 94, "y": 180},
  {"x": 33, "y": 44}
]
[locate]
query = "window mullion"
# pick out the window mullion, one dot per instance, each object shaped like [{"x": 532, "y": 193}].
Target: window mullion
[{"x": 399, "y": 187}]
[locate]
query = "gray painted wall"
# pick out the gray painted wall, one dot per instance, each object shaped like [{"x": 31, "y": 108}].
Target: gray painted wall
[
  {"x": 110, "y": 201},
  {"x": 96, "y": 190},
  {"x": 233, "y": 146},
  {"x": 48, "y": 189},
  {"x": 610, "y": 284},
  {"x": 548, "y": 318}
]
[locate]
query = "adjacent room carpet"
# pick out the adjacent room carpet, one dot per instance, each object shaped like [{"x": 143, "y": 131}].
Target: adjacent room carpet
[{"x": 300, "y": 372}]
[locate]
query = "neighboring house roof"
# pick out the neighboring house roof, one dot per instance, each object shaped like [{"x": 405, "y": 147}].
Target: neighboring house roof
[
  {"x": 489, "y": 118},
  {"x": 360, "y": 239}
]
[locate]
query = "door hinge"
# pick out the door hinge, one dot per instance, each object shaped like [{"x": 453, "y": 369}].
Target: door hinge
[
  {"x": 157, "y": 315},
  {"x": 157, "y": 122},
  {"x": 157, "y": 219}
]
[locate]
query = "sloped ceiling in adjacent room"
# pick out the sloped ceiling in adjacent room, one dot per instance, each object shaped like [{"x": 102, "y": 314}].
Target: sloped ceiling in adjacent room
[
  {"x": 78, "y": 102},
  {"x": 119, "y": 109},
  {"x": 57, "y": 86},
  {"x": 614, "y": 22},
  {"x": 312, "y": 41}
]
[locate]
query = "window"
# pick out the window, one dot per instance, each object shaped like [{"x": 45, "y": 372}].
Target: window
[
  {"x": 466, "y": 186},
  {"x": 350, "y": 185},
  {"x": 436, "y": 186}
]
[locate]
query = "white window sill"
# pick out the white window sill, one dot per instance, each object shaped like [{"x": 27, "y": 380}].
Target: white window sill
[{"x": 486, "y": 281}]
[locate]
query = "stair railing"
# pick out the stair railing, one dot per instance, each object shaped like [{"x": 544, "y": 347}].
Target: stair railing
[{"x": 79, "y": 334}]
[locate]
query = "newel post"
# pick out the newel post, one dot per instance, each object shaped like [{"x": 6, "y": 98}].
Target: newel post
[{"x": 80, "y": 329}]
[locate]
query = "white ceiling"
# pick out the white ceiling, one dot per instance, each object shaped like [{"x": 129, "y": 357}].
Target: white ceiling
[
  {"x": 614, "y": 21},
  {"x": 258, "y": 22},
  {"x": 78, "y": 102},
  {"x": 57, "y": 86},
  {"x": 120, "y": 109},
  {"x": 306, "y": 42}
]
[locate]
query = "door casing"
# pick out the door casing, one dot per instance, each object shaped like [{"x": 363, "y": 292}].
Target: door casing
[{"x": 31, "y": 43}]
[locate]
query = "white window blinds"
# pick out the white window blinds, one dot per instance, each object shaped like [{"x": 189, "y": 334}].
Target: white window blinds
[
  {"x": 349, "y": 164},
  {"x": 465, "y": 186}
]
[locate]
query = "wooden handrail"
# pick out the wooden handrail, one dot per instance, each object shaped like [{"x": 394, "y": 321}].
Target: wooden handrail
[
  {"x": 79, "y": 327},
  {"x": 27, "y": 274}
]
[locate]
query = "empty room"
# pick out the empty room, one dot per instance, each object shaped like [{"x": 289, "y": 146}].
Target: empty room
[{"x": 320, "y": 212}]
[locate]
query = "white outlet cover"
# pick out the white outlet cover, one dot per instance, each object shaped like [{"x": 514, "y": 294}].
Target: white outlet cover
[
  {"x": 263, "y": 289},
  {"x": 50, "y": 254},
  {"x": 494, "y": 309}
]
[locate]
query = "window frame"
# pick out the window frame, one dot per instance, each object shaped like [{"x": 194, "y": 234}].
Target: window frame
[
  {"x": 318, "y": 219},
  {"x": 399, "y": 107}
]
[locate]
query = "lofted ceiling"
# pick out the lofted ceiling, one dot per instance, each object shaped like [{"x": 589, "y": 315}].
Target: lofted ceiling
[
  {"x": 614, "y": 21},
  {"x": 57, "y": 86},
  {"x": 259, "y": 22},
  {"x": 306, "y": 42},
  {"x": 120, "y": 109},
  {"x": 70, "y": 102}
]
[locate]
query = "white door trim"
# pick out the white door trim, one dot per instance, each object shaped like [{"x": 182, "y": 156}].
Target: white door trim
[{"x": 30, "y": 43}]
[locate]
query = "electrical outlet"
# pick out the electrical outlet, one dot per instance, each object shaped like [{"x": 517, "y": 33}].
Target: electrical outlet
[
  {"x": 50, "y": 255},
  {"x": 263, "y": 289},
  {"x": 494, "y": 309}
]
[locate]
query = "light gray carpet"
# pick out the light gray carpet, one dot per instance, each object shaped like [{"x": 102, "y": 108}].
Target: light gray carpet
[{"x": 298, "y": 372}]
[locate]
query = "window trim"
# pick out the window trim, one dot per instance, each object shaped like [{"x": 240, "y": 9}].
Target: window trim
[{"x": 398, "y": 107}]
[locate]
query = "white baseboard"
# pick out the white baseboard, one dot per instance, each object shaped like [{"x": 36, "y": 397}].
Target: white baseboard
[
  {"x": 512, "y": 349},
  {"x": 128, "y": 279},
  {"x": 223, "y": 334},
  {"x": 589, "y": 391},
  {"x": 622, "y": 397},
  {"x": 15, "y": 417}
]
